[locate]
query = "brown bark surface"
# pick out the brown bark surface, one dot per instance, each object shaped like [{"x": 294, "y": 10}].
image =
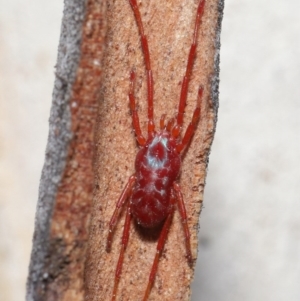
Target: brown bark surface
[
  {"x": 169, "y": 27},
  {"x": 66, "y": 189},
  {"x": 79, "y": 188}
]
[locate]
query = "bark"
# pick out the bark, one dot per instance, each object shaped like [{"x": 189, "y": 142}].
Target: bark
[{"x": 91, "y": 147}]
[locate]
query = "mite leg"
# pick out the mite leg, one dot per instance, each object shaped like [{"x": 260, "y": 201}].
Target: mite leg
[
  {"x": 170, "y": 124},
  {"x": 125, "y": 238},
  {"x": 193, "y": 124},
  {"x": 122, "y": 199},
  {"x": 186, "y": 78},
  {"x": 160, "y": 246},
  {"x": 162, "y": 121},
  {"x": 145, "y": 48},
  {"x": 182, "y": 212},
  {"x": 135, "y": 117}
]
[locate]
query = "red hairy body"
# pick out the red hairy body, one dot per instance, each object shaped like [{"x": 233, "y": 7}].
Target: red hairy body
[
  {"x": 157, "y": 166},
  {"x": 152, "y": 192}
]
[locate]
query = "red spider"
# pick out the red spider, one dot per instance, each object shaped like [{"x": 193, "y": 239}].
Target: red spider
[{"x": 152, "y": 190}]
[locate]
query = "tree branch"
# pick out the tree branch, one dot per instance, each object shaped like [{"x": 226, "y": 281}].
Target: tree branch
[{"x": 79, "y": 187}]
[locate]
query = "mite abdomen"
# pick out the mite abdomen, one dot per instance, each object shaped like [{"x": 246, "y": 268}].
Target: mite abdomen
[{"x": 150, "y": 202}]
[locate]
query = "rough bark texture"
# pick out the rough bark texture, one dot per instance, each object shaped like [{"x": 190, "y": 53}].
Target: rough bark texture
[
  {"x": 65, "y": 196},
  {"x": 79, "y": 188}
]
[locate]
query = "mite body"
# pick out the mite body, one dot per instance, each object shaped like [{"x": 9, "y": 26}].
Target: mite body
[
  {"x": 157, "y": 166},
  {"x": 152, "y": 192}
]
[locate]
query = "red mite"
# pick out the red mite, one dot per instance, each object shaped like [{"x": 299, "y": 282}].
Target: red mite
[{"x": 152, "y": 191}]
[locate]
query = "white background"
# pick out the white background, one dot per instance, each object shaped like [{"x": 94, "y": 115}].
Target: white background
[{"x": 250, "y": 226}]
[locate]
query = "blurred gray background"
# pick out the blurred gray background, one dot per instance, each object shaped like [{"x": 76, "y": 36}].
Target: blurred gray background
[{"x": 250, "y": 226}]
